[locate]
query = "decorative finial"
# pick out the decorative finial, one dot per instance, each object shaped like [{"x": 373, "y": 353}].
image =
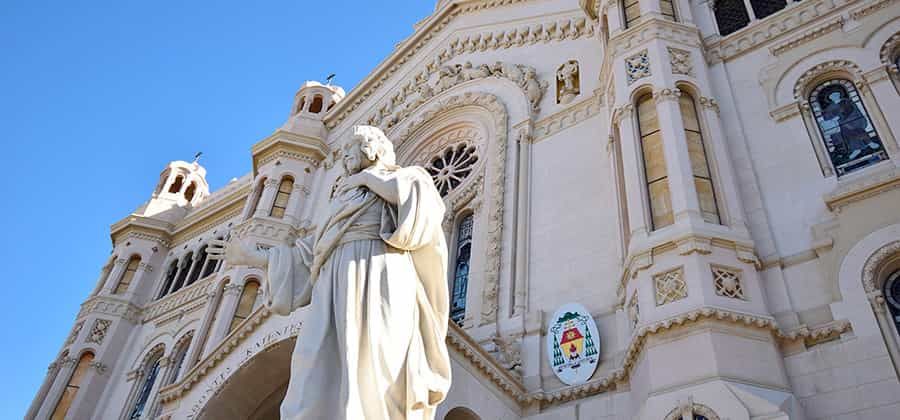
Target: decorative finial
[
  {"x": 197, "y": 157},
  {"x": 329, "y": 79}
]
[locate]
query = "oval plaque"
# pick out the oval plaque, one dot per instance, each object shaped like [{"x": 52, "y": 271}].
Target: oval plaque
[{"x": 573, "y": 344}]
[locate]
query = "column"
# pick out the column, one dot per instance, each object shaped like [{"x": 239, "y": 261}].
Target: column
[
  {"x": 118, "y": 268},
  {"x": 230, "y": 297},
  {"x": 67, "y": 366},
  {"x": 52, "y": 373},
  {"x": 635, "y": 189},
  {"x": 718, "y": 155},
  {"x": 267, "y": 198},
  {"x": 685, "y": 204},
  {"x": 200, "y": 337}
]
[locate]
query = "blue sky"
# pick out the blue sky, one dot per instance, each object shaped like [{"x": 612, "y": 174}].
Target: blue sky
[{"x": 97, "y": 97}]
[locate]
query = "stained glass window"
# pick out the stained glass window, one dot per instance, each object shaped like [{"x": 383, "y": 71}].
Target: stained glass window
[
  {"x": 282, "y": 197},
  {"x": 654, "y": 163},
  {"x": 850, "y": 138},
  {"x": 699, "y": 162},
  {"x": 144, "y": 394},
  {"x": 731, "y": 15},
  {"x": 892, "y": 295},
  {"x": 461, "y": 271}
]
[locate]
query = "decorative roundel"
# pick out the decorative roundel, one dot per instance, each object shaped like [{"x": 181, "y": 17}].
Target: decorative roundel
[
  {"x": 452, "y": 166},
  {"x": 573, "y": 344}
]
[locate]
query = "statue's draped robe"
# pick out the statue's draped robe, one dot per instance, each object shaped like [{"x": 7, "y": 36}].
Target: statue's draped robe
[{"x": 372, "y": 342}]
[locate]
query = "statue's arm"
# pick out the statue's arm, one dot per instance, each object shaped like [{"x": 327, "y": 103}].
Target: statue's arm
[{"x": 381, "y": 182}]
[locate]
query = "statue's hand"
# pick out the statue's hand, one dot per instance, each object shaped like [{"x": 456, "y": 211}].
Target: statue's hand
[
  {"x": 236, "y": 252},
  {"x": 359, "y": 179}
]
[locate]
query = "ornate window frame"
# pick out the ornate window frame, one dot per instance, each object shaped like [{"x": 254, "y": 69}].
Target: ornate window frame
[
  {"x": 846, "y": 70},
  {"x": 156, "y": 354},
  {"x": 878, "y": 268}
]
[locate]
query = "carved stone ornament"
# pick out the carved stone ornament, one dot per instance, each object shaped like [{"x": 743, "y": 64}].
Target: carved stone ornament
[
  {"x": 870, "y": 283},
  {"x": 727, "y": 282},
  {"x": 680, "y": 61},
  {"x": 634, "y": 310},
  {"x": 670, "y": 286},
  {"x": 573, "y": 344},
  {"x": 568, "y": 83},
  {"x": 98, "y": 331},
  {"x": 637, "y": 66},
  {"x": 75, "y": 332},
  {"x": 430, "y": 84}
]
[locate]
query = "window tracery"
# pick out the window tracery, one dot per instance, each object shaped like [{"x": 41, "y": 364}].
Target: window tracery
[
  {"x": 850, "y": 138},
  {"x": 450, "y": 168}
]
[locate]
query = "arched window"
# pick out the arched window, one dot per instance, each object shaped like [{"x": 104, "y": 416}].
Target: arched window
[
  {"x": 176, "y": 184},
  {"x": 699, "y": 163},
  {"x": 128, "y": 275},
  {"x": 246, "y": 304},
  {"x": 847, "y": 131},
  {"x": 282, "y": 197},
  {"x": 198, "y": 267},
  {"x": 183, "y": 271},
  {"x": 72, "y": 387},
  {"x": 654, "y": 163},
  {"x": 190, "y": 191},
  {"x": 150, "y": 372},
  {"x": 731, "y": 15},
  {"x": 301, "y": 104},
  {"x": 254, "y": 199},
  {"x": 170, "y": 278},
  {"x": 316, "y": 106},
  {"x": 209, "y": 266},
  {"x": 631, "y": 11},
  {"x": 461, "y": 413},
  {"x": 892, "y": 298},
  {"x": 180, "y": 354},
  {"x": 461, "y": 269}
]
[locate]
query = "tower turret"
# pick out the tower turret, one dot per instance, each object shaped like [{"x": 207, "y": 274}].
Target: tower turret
[{"x": 181, "y": 186}]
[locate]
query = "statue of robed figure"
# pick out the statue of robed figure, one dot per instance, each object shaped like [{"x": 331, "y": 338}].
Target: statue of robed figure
[{"x": 373, "y": 281}]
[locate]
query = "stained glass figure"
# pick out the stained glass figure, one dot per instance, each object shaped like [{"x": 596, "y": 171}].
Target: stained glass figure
[
  {"x": 461, "y": 274},
  {"x": 850, "y": 137}
]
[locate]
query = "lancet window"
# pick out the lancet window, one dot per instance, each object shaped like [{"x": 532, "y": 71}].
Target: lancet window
[
  {"x": 128, "y": 275},
  {"x": 183, "y": 271},
  {"x": 657, "y": 179},
  {"x": 282, "y": 197},
  {"x": 151, "y": 371},
  {"x": 699, "y": 162},
  {"x": 176, "y": 184},
  {"x": 461, "y": 269},
  {"x": 72, "y": 387},
  {"x": 169, "y": 279},
  {"x": 850, "y": 138},
  {"x": 246, "y": 304},
  {"x": 197, "y": 268},
  {"x": 190, "y": 191},
  {"x": 180, "y": 355},
  {"x": 317, "y": 103}
]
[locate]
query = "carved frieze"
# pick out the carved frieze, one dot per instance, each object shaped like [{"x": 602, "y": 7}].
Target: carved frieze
[
  {"x": 681, "y": 61},
  {"x": 637, "y": 66},
  {"x": 98, "y": 331}
]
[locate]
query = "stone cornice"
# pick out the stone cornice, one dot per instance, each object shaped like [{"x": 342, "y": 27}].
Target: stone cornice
[
  {"x": 873, "y": 184},
  {"x": 285, "y": 144},
  {"x": 141, "y": 227},
  {"x": 568, "y": 117},
  {"x": 459, "y": 340},
  {"x": 793, "y": 21},
  {"x": 112, "y": 306},
  {"x": 572, "y": 27},
  {"x": 649, "y": 29}
]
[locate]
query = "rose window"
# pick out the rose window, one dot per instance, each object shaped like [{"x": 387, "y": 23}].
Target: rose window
[{"x": 451, "y": 167}]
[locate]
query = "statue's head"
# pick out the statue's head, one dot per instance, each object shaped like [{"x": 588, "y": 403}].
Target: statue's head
[{"x": 369, "y": 146}]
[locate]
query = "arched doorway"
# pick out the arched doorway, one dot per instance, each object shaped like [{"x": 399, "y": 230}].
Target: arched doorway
[{"x": 255, "y": 391}]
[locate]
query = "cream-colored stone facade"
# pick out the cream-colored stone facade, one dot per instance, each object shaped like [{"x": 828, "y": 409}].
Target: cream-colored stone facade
[{"x": 715, "y": 181}]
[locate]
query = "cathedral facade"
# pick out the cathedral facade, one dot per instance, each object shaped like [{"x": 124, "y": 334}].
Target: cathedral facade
[{"x": 715, "y": 182}]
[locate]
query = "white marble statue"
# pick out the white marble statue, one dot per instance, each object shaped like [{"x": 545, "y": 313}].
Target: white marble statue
[{"x": 372, "y": 345}]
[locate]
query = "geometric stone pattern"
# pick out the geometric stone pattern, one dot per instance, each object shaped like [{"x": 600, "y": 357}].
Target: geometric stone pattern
[
  {"x": 98, "y": 331},
  {"x": 727, "y": 282},
  {"x": 670, "y": 286}
]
